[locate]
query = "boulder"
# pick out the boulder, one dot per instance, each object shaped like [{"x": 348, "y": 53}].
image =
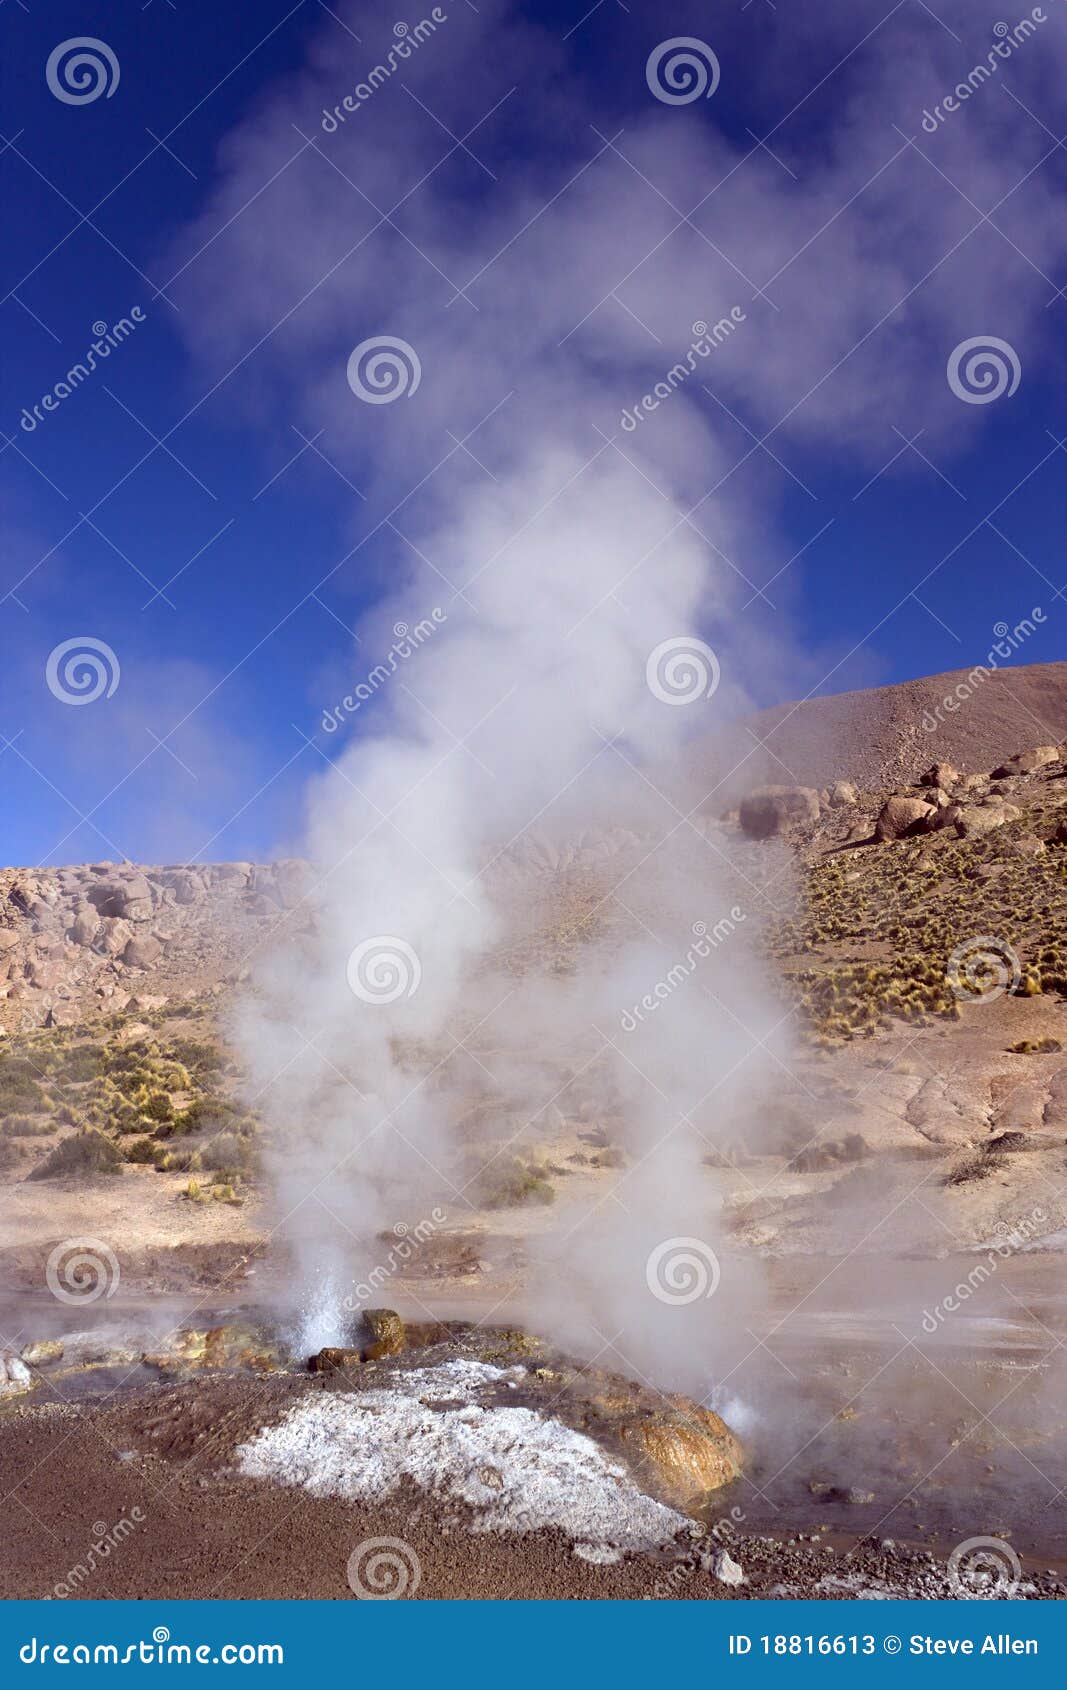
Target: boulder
[
  {"x": 85, "y": 926},
  {"x": 1027, "y": 762},
  {"x": 970, "y": 820},
  {"x": 690, "y": 1450},
  {"x": 772, "y": 809},
  {"x": 901, "y": 816},
  {"x": 114, "y": 936},
  {"x": 940, "y": 774},
  {"x": 43, "y": 1350},
  {"x": 335, "y": 1359},
  {"x": 142, "y": 951},
  {"x": 386, "y": 1330},
  {"x": 187, "y": 886},
  {"x": 842, "y": 792},
  {"x": 15, "y": 1376}
]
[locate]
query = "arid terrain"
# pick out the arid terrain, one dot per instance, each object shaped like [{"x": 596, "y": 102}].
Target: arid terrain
[{"x": 901, "y": 1200}]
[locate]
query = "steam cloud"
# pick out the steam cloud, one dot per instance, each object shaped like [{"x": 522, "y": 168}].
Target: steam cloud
[{"x": 541, "y": 307}]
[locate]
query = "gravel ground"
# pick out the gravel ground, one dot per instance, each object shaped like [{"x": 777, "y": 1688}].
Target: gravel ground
[{"x": 135, "y": 1497}]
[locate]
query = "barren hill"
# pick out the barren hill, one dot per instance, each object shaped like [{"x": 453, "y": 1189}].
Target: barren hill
[{"x": 883, "y": 736}]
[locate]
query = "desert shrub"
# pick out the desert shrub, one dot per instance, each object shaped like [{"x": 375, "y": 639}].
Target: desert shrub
[
  {"x": 157, "y": 1106},
  {"x": 508, "y": 1182},
  {"x": 202, "y": 1113},
  {"x": 84, "y": 1062},
  {"x": 198, "y": 1055},
  {"x": 229, "y": 1154},
  {"x": 27, "y": 1126},
  {"x": 979, "y": 1165},
  {"x": 88, "y": 1152},
  {"x": 178, "y": 1161},
  {"x": 18, "y": 1084},
  {"x": 144, "y": 1150}
]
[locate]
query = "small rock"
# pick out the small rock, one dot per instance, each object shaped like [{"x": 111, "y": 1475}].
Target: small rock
[
  {"x": 722, "y": 1566},
  {"x": 333, "y": 1359}
]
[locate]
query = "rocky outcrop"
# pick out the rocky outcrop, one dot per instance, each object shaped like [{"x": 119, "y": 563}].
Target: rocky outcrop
[{"x": 71, "y": 939}]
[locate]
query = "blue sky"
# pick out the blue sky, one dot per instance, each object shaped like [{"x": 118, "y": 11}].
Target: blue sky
[{"x": 172, "y": 507}]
